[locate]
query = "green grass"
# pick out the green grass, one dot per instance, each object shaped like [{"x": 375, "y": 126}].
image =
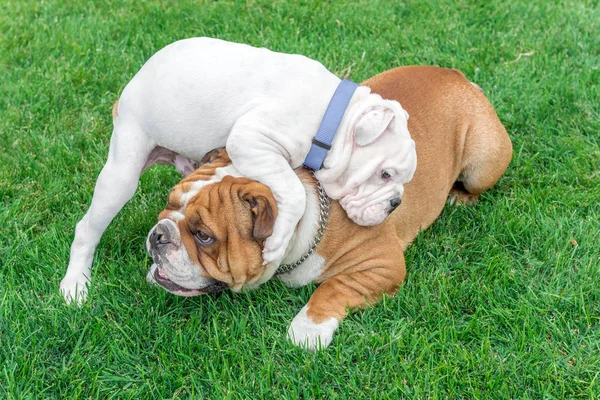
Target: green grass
[{"x": 499, "y": 301}]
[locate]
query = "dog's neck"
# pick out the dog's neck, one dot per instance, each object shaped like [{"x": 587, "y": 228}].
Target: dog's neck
[{"x": 341, "y": 147}]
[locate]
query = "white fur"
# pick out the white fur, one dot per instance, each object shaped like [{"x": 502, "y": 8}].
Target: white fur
[
  {"x": 305, "y": 273},
  {"x": 199, "y": 94},
  {"x": 303, "y": 332}
]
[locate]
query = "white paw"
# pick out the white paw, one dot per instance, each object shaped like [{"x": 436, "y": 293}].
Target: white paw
[
  {"x": 274, "y": 250},
  {"x": 305, "y": 333},
  {"x": 74, "y": 289}
]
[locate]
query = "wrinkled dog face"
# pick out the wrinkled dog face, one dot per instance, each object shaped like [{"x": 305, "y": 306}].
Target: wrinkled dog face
[
  {"x": 213, "y": 240},
  {"x": 381, "y": 159}
]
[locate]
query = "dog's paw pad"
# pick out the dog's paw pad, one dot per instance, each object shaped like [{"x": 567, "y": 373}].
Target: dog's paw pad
[{"x": 304, "y": 333}]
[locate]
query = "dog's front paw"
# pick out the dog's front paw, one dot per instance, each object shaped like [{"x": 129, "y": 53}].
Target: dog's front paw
[
  {"x": 74, "y": 289},
  {"x": 305, "y": 333},
  {"x": 274, "y": 249}
]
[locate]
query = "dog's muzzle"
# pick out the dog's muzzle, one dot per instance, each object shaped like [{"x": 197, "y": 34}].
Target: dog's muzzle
[
  {"x": 394, "y": 203},
  {"x": 164, "y": 245}
]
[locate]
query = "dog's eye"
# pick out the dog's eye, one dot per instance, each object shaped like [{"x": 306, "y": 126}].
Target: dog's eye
[
  {"x": 203, "y": 239},
  {"x": 385, "y": 176}
]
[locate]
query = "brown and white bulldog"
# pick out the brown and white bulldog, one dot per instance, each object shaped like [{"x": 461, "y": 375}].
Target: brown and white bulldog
[{"x": 210, "y": 239}]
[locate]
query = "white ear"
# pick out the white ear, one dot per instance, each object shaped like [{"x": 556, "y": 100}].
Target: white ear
[{"x": 371, "y": 125}]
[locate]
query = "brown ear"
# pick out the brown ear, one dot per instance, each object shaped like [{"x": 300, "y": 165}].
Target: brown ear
[
  {"x": 216, "y": 154},
  {"x": 263, "y": 208}
]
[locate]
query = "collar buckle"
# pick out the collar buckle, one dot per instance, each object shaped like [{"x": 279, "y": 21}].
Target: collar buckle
[{"x": 330, "y": 124}]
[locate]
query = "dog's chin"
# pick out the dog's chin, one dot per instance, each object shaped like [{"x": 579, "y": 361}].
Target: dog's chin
[
  {"x": 158, "y": 277},
  {"x": 370, "y": 216}
]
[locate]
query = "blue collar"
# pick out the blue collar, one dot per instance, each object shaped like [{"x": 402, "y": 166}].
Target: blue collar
[{"x": 329, "y": 124}]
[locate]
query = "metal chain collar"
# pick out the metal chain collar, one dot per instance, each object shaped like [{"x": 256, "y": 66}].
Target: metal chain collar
[{"x": 323, "y": 218}]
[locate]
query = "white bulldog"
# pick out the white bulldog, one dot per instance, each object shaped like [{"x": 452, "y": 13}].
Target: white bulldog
[{"x": 199, "y": 94}]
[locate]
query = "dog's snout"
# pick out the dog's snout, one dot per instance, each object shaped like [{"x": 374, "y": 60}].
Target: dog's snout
[
  {"x": 159, "y": 236},
  {"x": 395, "y": 202}
]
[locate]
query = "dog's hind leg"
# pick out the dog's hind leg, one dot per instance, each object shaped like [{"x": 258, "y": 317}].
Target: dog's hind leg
[
  {"x": 487, "y": 153},
  {"x": 116, "y": 184}
]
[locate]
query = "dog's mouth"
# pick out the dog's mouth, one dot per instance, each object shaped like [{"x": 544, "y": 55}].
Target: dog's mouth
[{"x": 178, "y": 290}]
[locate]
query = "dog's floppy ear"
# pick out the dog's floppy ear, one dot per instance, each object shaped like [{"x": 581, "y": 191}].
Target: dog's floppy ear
[
  {"x": 372, "y": 124},
  {"x": 263, "y": 206},
  {"x": 216, "y": 154}
]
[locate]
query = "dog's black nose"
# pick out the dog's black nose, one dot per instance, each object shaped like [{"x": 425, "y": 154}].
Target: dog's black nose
[
  {"x": 159, "y": 236},
  {"x": 394, "y": 203}
]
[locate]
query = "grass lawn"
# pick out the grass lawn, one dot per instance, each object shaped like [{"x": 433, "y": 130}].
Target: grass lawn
[{"x": 502, "y": 299}]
